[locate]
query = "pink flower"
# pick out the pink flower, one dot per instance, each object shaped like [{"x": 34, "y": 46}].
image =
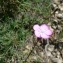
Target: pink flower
[{"x": 42, "y": 31}]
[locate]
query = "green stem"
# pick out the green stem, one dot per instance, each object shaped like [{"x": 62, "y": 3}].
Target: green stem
[{"x": 46, "y": 46}]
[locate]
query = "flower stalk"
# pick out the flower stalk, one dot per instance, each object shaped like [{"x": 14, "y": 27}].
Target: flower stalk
[{"x": 46, "y": 46}]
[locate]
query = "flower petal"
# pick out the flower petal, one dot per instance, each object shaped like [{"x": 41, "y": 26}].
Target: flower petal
[
  {"x": 44, "y": 27},
  {"x": 48, "y": 32},
  {"x": 36, "y": 27},
  {"x": 37, "y": 34},
  {"x": 45, "y": 36}
]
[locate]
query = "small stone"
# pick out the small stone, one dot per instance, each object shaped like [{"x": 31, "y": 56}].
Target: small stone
[
  {"x": 54, "y": 59},
  {"x": 53, "y": 53},
  {"x": 29, "y": 47},
  {"x": 49, "y": 23},
  {"x": 60, "y": 7},
  {"x": 60, "y": 15},
  {"x": 57, "y": 60},
  {"x": 26, "y": 51},
  {"x": 54, "y": 27},
  {"x": 58, "y": 54},
  {"x": 33, "y": 57},
  {"x": 59, "y": 27},
  {"x": 38, "y": 43},
  {"x": 42, "y": 54},
  {"x": 58, "y": 31},
  {"x": 49, "y": 53},
  {"x": 56, "y": 12},
  {"x": 56, "y": 2},
  {"x": 54, "y": 5},
  {"x": 50, "y": 48}
]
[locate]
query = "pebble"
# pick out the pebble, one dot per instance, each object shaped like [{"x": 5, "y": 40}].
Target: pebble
[{"x": 50, "y": 48}]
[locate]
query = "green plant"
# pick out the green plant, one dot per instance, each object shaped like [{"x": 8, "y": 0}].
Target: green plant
[
  {"x": 14, "y": 31},
  {"x": 8, "y": 8}
]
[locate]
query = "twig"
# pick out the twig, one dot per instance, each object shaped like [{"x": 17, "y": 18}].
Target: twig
[
  {"x": 30, "y": 51},
  {"x": 29, "y": 55}
]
